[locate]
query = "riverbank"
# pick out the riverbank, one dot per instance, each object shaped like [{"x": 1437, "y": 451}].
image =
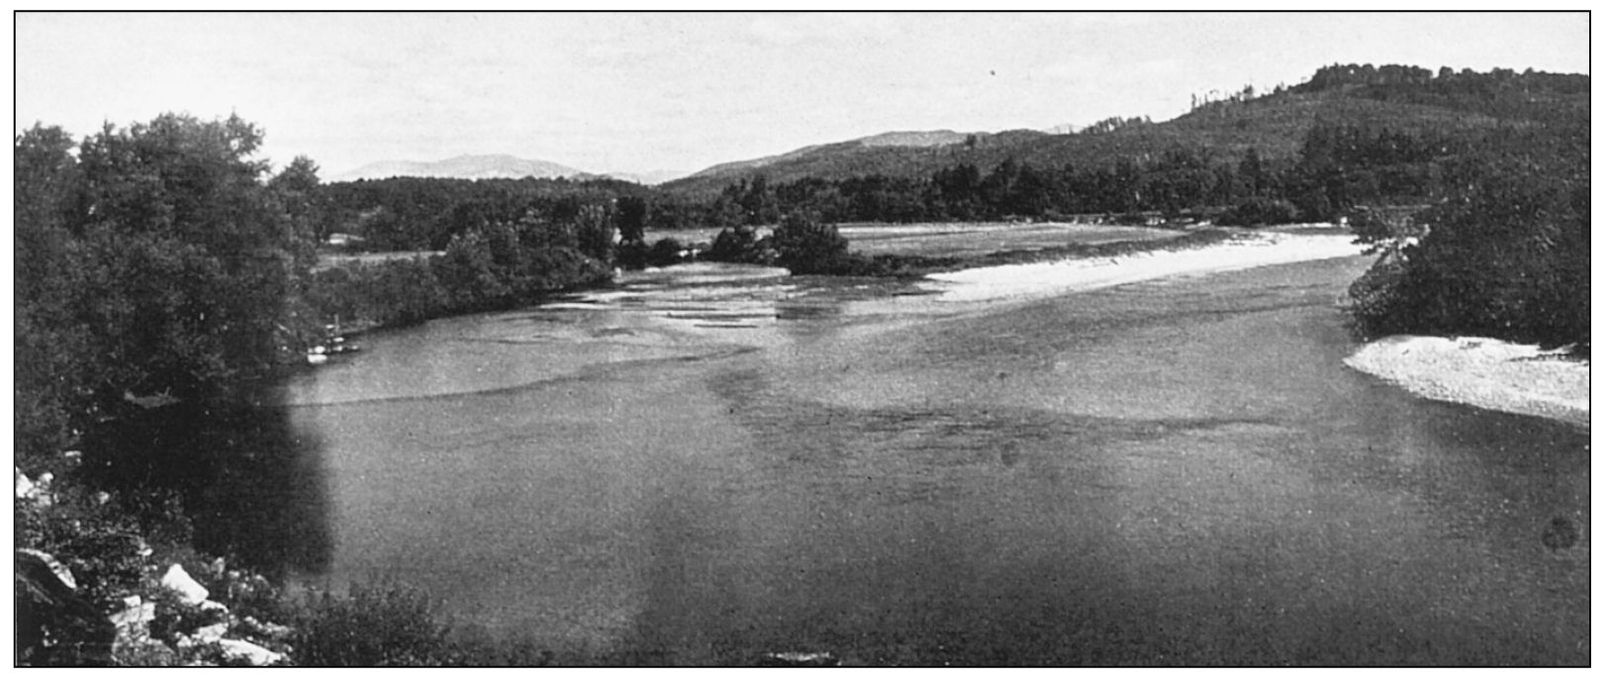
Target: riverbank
[
  {"x": 1237, "y": 252},
  {"x": 1487, "y": 373}
]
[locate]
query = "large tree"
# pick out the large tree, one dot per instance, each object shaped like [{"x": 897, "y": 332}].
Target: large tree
[{"x": 154, "y": 265}]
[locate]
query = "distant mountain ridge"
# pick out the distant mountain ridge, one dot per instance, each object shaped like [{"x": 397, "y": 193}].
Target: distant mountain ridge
[
  {"x": 652, "y": 177},
  {"x": 468, "y": 167}
]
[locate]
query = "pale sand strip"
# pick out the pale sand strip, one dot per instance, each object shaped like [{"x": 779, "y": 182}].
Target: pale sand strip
[
  {"x": 1487, "y": 373},
  {"x": 1036, "y": 280}
]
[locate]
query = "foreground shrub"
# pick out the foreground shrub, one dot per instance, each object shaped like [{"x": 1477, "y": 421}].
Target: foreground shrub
[
  {"x": 371, "y": 626},
  {"x": 395, "y": 625}
]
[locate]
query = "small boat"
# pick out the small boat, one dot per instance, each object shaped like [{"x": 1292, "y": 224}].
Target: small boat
[{"x": 333, "y": 344}]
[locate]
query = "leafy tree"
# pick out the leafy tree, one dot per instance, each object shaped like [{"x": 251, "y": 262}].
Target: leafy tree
[
  {"x": 470, "y": 273},
  {"x": 594, "y": 230},
  {"x": 666, "y": 251},
  {"x": 1252, "y": 170},
  {"x": 168, "y": 261},
  {"x": 735, "y": 245},
  {"x": 806, "y": 246},
  {"x": 632, "y": 219},
  {"x": 50, "y": 342}
]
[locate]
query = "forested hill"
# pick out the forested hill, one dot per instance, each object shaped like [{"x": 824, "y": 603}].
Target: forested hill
[{"x": 1400, "y": 98}]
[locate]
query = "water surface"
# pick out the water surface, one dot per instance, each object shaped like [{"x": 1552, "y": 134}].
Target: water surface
[{"x": 708, "y": 463}]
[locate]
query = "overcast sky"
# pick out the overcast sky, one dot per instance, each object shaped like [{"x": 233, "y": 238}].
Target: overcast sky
[{"x": 642, "y": 92}]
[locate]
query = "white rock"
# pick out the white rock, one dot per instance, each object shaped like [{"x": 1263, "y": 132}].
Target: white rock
[
  {"x": 189, "y": 591},
  {"x": 210, "y": 605},
  {"x": 25, "y": 487},
  {"x": 135, "y": 616},
  {"x": 235, "y": 649},
  {"x": 211, "y": 633}
]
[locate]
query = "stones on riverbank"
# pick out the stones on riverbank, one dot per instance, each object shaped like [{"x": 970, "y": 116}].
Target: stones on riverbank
[
  {"x": 121, "y": 608},
  {"x": 189, "y": 591}
]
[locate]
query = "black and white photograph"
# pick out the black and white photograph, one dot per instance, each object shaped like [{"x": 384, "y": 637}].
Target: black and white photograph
[{"x": 748, "y": 339}]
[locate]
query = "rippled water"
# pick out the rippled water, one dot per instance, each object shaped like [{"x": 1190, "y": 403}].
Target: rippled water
[{"x": 708, "y": 463}]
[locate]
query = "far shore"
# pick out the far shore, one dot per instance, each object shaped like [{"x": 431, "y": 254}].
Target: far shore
[{"x": 1488, "y": 373}]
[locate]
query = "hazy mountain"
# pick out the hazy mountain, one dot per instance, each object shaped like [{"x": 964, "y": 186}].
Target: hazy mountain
[
  {"x": 466, "y": 167},
  {"x": 652, "y": 177}
]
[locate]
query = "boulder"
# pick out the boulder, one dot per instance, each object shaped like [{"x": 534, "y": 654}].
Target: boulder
[
  {"x": 54, "y": 624},
  {"x": 25, "y": 486},
  {"x": 37, "y": 490},
  {"x": 190, "y": 592},
  {"x": 236, "y": 650},
  {"x": 211, "y": 633},
  {"x": 134, "y": 618}
]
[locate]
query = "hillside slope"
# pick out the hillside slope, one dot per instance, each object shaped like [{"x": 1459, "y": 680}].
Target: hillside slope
[{"x": 1276, "y": 125}]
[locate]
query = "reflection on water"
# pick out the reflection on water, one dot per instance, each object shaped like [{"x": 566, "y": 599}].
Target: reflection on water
[{"x": 705, "y": 464}]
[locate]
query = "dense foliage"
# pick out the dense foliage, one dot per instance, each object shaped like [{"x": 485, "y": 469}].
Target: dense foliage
[
  {"x": 390, "y": 624},
  {"x": 424, "y": 214},
  {"x": 153, "y": 266},
  {"x": 1507, "y": 254}
]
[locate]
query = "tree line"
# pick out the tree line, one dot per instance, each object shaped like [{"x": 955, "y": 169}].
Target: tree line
[
  {"x": 1505, "y": 254},
  {"x": 161, "y": 263},
  {"x": 1340, "y": 165}
]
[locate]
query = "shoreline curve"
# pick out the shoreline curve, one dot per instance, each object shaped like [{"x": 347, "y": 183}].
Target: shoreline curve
[{"x": 1482, "y": 372}]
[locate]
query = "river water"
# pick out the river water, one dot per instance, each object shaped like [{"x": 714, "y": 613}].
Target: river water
[{"x": 712, "y": 462}]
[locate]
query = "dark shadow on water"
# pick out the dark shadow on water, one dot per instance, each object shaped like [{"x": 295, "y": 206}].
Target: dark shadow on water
[{"x": 249, "y": 480}]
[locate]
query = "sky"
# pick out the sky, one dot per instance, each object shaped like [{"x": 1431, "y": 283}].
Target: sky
[{"x": 640, "y": 92}]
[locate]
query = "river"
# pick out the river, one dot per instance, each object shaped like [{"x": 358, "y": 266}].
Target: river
[{"x": 708, "y": 463}]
